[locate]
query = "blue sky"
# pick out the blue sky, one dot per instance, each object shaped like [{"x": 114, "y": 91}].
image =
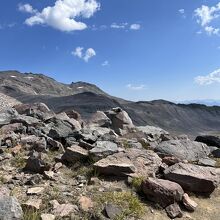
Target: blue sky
[{"x": 134, "y": 49}]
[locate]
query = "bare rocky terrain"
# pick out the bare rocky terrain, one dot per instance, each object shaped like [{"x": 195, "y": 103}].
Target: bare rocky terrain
[
  {"x": 59, "y": 166},
  {"x": 191, "y": 119}
]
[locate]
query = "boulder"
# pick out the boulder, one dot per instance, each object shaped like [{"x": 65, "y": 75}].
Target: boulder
[
  {"x": 121, "y": 122},
  {"x": 36, "y": 110},
  {"x": 63, "y": 210},
  {"x": 189, "y": 203},
  {"x": 194, "y": 178},
  {"x": 207, "y": 162},
  {"x": 32, "y": 204},
  {"x": 6, "y": 116},
  {"x": 27, "y": 109},
  {"x": 113, "y": 211},
  {"x": 26, "y": 120},
  {"x": 210, "y": 140},
  {"x": 100, "y": 119},
  {"x": 60, "y": 129},
  {"x": 131, "y": 162},
  {"x": 153, "y": 134},
  {"x": 74, "y": 154},
  {"x": 10, "y": 208},
  {"x": 64, "y": 117},
  {"x": 163, "y": 192},
  {"x": 35, "y": 163},
  {"x": 183, "y": 149},
  {"x": 16, "y": 127},
  {"x": 174, "y": 211},
  {"x": 103, "y": 149}
]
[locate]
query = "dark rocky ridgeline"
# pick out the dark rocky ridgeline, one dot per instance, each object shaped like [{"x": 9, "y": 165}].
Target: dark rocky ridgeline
[
  {"x": 192, "y": 119},
  {"x": 58, "y": 166}
]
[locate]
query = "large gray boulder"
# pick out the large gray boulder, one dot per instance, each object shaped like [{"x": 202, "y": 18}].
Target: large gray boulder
[
  {"x": 58, "y": 129},
  {"x": 103, "y": 149},
  {"x": 6, "y": 115},
  {"x": 121, "y": 122},
  {"x": 10, "y": 208},
  {"x": 183, "y": 149},
  {"x": 163, "y": 192},
  {"x": 131, "y": 162},
  {"x": 153, "y": 134},
  {"x": 75, "y": 153},
  {"x": 194, "y": 178},
  {"x": 100, "y": 119},
  {"x": 210, "y": 140}
]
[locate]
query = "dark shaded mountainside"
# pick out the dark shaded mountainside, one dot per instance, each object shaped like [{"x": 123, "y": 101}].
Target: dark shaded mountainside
[{"x": 87, "y": 98}]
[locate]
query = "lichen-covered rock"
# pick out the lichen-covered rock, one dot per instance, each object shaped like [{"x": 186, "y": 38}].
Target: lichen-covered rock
[{"x": 10, "y": 208}]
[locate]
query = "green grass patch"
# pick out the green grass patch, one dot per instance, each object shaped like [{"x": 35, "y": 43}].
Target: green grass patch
[
  {"x": 129, "y": 202},
  {"x": 31, "y": 214}
]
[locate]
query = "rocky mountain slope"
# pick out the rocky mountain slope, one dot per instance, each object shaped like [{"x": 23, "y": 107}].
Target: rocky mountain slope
[
  {"x": 57, "y": 166},
  {"x": 86, "y": 98}
]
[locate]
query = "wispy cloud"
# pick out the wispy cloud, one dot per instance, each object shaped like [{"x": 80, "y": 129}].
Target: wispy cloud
[
  {"x": 86, "y": 56},
  {"x": 135, "y": 27},
  {"x": 205, "y": 15},
  {"x": 209, "y": 79},
  {"x": 105, "y": 63},
  {"x": 182, "y": 12},
  {"x": 136, "y": 87},
  {"x": 62, "y": 15},
  {"x": 126, "y": 26},
  {"x": 27, "y": 8},
  {"x": 119, "y": 26}
]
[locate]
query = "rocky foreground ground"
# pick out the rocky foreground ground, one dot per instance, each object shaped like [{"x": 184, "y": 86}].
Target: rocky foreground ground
[{"x": 57, "y": 166}]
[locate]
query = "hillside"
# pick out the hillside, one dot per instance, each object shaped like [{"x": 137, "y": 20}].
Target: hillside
[{"x": 87, "y": 98}]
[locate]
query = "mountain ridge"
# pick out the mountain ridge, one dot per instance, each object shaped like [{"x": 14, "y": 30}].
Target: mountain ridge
[{"x": 87, "y": 98}]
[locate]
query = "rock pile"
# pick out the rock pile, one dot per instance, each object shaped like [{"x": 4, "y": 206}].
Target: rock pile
[{"x": 49, "y": 161}]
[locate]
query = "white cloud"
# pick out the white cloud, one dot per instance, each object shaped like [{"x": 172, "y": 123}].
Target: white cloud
[
  {"x": 181, "y": 11},
  {"x": 86, "y": 56},
  {"x": 105, "y": 63},
  {"x": 63, "y": 14},
  {"x": 89, "y": 54},
  {"x": 26, "y": 8},
  {"x": 209, "y": 79},
  {"x": 138, "y": 87},
  {"x": 78, "y": 52},
  {"x": 212, "y": 31},
  {"x": 135, "y": 27},
  {"x": 206, "y": 15},
  {"x": 118, "y": 26}
]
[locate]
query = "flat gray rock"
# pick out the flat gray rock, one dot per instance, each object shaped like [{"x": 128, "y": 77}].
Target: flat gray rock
[
  {"x": 104, "y": 149},
  {"x": 194, "y": 178},
  {"x": 183, "y": 149},
  {"x": 131, "y": 162}
]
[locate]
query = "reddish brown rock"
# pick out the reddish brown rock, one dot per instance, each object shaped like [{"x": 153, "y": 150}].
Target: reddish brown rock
[
  {"x": 162, "y": 191},
  {"x": 174, "y": 211},
  {"x": 189, "y": 203}
]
